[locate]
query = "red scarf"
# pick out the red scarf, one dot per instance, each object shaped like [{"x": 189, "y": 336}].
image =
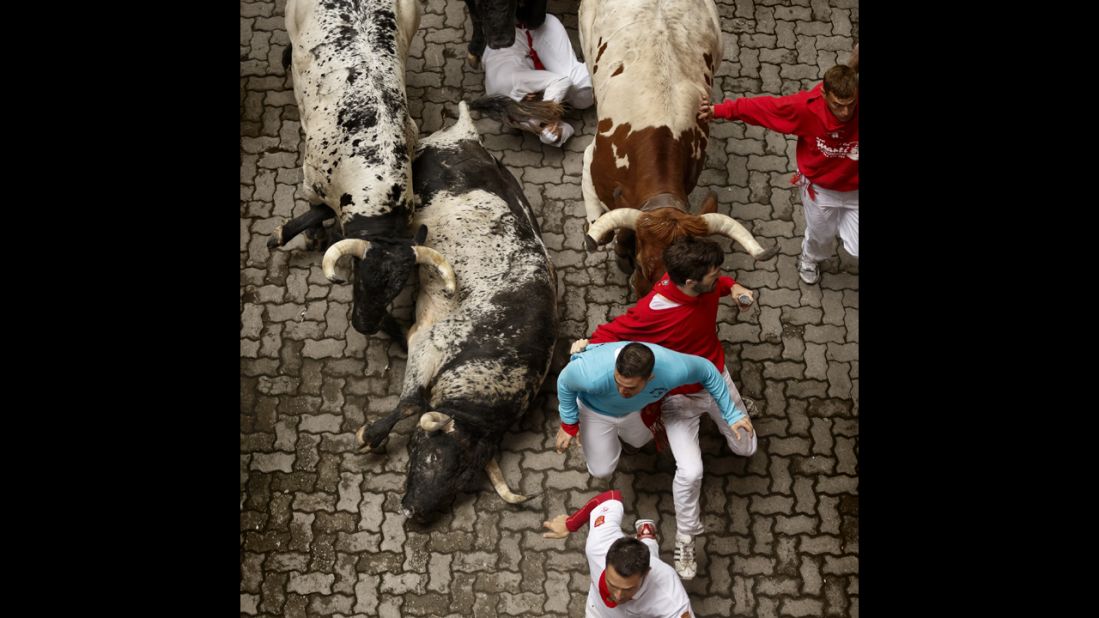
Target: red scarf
[
  {"x": 650, "y": 415},
  {"x": 605, "y": 592},
  {"x": 538, "y": 66}
]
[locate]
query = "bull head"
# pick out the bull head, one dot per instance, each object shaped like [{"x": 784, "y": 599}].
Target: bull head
[
  {"x": 381, "y": 267},
  {"x": 444, "y": 458},
  {"x": 658, "y": 228},
  {"x": 494, "y": 23},
  {"x": 495, "y": 19}
]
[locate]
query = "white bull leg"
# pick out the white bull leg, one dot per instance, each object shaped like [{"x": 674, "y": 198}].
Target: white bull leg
[{"x": 592, "y": 206}]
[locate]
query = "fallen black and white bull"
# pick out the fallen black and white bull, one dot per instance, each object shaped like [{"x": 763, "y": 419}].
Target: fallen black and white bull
[
  {"x": 348, "y": 66},
  {"x": 476, "y": 359}
]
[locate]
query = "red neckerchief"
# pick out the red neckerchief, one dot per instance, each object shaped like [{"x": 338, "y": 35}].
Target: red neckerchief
[
  {"x": 604, "y": 592},
  {"x": 538, "y": 66}
]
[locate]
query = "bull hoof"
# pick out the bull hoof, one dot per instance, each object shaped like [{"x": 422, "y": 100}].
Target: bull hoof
[
  {"x": 473, "y": 61},
  {"x": 768, "y": 254},
  {"x": 371, "y": 438}
]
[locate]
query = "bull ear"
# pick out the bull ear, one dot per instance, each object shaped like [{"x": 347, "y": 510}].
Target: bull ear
[{"x": 421, "y": 235}]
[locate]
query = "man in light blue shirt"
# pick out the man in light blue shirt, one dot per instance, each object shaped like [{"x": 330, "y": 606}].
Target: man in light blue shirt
[{"x": 602, "y": 390}]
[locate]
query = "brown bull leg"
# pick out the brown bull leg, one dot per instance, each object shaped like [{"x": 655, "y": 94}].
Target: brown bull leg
[{"x": 287, "y": 231}]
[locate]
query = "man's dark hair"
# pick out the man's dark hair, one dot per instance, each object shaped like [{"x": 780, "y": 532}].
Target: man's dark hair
[
  {"x": 635, "y": 360},
  {"x": 691, "y": 258},
  {"x": 841, "y": 81},
  {"x": 628, "y": 556}
]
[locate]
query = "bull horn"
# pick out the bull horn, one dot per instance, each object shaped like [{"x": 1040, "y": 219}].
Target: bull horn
[
  {"x": 600, "y": 231},
  {"x": 500, "y": 485},
  {"x": 347, "y": 246},
  {"x": 728, "y": 226},
  {"x": 431, "y": 257},
  {"x": 434, "y": 421}
]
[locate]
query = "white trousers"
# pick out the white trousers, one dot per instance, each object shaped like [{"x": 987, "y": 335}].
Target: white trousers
[
  {"x": 681, "y": 415},
  {"x": 832, "y": 213},
  {"x": 599, "y": 435},
  {"x": 511, "y": 71}
]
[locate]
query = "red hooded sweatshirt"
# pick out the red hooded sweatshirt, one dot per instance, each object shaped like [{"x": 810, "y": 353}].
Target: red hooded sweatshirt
[{"x": 828, "y": 150}]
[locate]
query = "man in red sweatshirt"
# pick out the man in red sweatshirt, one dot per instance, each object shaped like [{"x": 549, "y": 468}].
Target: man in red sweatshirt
[
  {"x": 680, "y": 313},
  {"x": 826, "y": 121}
]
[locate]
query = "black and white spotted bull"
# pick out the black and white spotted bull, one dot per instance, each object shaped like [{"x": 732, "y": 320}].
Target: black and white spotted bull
[
  {"x": 348, "y": 66},
  {"x": 477, "y": 358}
]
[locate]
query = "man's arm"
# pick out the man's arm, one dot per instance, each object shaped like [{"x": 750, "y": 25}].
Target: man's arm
[
  {"x": 702, "y": 371},
  {"x": 559, "y": 527},
  {"x": 775, "y": 113},
  {"x": 568, "y": 387}
]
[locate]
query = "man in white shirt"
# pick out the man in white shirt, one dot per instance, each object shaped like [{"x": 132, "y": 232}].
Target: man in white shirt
[
  {"x": 628, "y": 578},
  {"x": 541, "y": 61}
]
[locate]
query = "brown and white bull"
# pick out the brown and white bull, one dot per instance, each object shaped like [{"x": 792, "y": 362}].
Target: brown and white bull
[
  {"x": 348, "y": 66},
  {"x": 477, "y": 358},
  {"x": 651, "y": 63}
]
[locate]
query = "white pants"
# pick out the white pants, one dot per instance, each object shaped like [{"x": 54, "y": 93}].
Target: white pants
[
  {"x": 599, "y": 435},
  {"x": 681, "y": 417},
  {"x": 511, "y": 71},
  {"x": 831, "y": 213}
]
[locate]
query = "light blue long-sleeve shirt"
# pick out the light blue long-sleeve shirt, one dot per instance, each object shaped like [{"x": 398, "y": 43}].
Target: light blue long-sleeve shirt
[{"x": 590, "y": 376}]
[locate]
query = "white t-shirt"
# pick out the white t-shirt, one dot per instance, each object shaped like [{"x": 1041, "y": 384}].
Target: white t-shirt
[{"x": 661, "y": 595}]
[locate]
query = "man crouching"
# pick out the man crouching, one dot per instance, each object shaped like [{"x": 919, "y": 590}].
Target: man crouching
[{"x": 623, "y": 569}]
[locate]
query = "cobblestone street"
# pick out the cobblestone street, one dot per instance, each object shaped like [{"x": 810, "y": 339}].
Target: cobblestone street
[{"x": 321, "y": 529}]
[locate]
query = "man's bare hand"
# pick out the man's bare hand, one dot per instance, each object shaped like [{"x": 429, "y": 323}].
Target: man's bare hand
[
  {"x": 557, "y": 528},
  {"x": 563, "y": 439},
  {"x": 578, "y": 346},
  {"x": 739, "y": 292},
  {"x": 745, "y": 424},
  {"x": 705, "y": 110}
]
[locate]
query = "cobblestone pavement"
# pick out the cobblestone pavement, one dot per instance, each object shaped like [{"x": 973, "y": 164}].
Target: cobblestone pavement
[{"x": 321, "y": 531}]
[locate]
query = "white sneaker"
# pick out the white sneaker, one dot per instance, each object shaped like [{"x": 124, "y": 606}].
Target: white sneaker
[
  {"x": 685, "y": 563},
  {"x": 646, "y": 529},
  {"x": 808, "y": 271}
]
